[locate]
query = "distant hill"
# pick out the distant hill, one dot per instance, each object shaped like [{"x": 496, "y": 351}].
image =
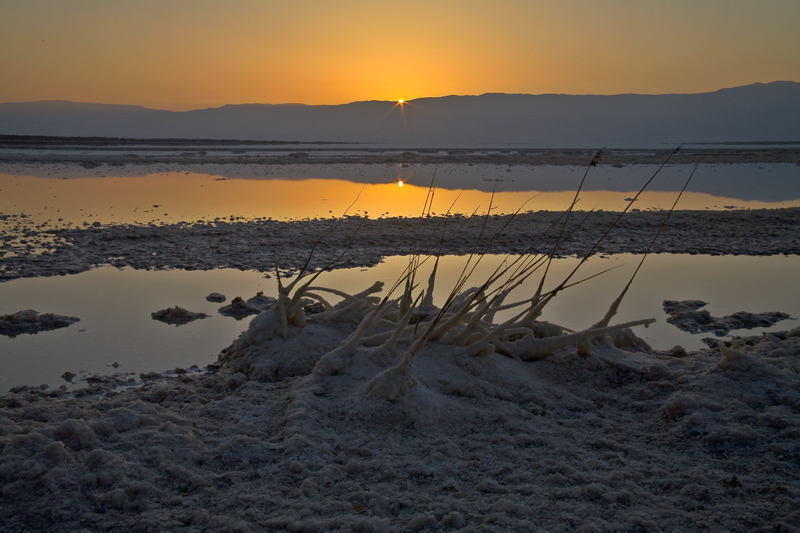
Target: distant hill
[{"x": 758, "y": 112}]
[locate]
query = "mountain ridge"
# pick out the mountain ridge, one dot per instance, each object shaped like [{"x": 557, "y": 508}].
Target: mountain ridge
[{"x": 746, "y": 113}]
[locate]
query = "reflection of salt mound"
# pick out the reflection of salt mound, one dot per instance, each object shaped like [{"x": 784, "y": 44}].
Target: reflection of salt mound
[
  {"x": 176, "y": 316},
  {"x": 31, "y": 322}
]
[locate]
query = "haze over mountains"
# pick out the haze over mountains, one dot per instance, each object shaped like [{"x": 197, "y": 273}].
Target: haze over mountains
[{"x": 758, "y": 112}]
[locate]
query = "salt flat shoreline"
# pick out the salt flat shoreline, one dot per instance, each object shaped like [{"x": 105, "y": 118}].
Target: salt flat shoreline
[
  {"x": 94, "y": 155},
  {"x": 263, "y": 245}
]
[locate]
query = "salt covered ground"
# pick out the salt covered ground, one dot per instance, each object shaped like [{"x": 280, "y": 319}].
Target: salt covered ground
[
  {"x": 395, "y": 415},
  {"x": 622, "y": 439},
  {"x": 258, "y": 245}
]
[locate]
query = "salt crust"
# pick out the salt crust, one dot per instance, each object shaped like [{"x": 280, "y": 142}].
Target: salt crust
[
  {"x": 617, "y": 439},
  {"x": 248, "y": 245}
]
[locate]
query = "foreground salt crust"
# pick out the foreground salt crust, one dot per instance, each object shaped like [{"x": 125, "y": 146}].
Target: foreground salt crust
[
  {"x": 324, "y": 422},
  {"x": 254, "y": 245}
]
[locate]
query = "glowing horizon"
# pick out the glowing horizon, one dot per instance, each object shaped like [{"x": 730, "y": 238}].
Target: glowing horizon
[{"x": 182, "y": 55}]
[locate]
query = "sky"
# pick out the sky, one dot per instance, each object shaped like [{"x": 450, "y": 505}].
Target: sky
[{"x": 191, "y": 54}]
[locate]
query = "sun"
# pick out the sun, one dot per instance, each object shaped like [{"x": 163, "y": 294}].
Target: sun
[
  {"x": 399, "y": 183},
  {"x": 401, "y": 101}
]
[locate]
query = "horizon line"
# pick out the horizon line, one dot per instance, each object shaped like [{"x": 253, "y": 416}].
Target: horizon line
[{"x": 393, "y": 102}]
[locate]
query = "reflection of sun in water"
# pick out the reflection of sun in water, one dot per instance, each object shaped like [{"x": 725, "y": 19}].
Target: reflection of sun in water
[{"x": 399, "y": 183}]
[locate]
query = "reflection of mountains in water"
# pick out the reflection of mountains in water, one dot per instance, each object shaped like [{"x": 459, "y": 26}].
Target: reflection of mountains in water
[
  {"x": 750, "y": 113},
  {"x": 765, "y": 182}
]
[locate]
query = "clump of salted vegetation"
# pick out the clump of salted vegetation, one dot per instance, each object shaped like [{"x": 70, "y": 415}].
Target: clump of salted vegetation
[{"x": 378, "y": 341}]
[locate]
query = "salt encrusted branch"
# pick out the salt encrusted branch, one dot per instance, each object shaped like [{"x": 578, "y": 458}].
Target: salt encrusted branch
[{"x": 535, "y": 349}]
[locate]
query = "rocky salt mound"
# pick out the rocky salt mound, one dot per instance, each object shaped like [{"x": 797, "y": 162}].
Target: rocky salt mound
[
  {"x": 392, "y": 415},
  {"x": 687, "y": 315},
  {"x": 240, "y": 308},
  {"x": 31, "y": 322},
  {"x": 177, "y": 316}
]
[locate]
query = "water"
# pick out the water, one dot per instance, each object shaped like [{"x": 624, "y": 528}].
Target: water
[
  {"x": 115, "y": 305},
  {"x": 61, "y": 196}
]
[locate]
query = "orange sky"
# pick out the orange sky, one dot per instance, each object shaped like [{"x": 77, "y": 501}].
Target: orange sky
[{"x": 186, "y": 54}]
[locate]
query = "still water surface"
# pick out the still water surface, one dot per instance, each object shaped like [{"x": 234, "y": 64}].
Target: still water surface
[
  {"x": 62, "y": 197},
  {"x": 115, "y": 305}
]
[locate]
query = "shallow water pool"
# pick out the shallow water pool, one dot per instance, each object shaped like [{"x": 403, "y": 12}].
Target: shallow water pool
[{"x": 114, "y": 306}]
